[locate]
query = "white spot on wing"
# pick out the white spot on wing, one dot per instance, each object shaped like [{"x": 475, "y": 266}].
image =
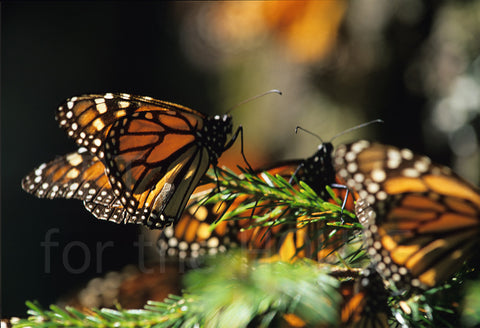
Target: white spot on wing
[
  {"x": 352, "y": 167},
  {"x": 422, "y": 164},
  {"x": 378, "y": 175},
  {"x": 123, "y": 104},
  {"x": 101, "y": 108},
  {"x": 350, "y": 156},
  {"x": 74, "y": 159},
  {"x": 382, "y": 195},
  {"x": 359, "y": 177},
  {"x": 213, "y": 242},
  {"x": 359, "y": 146},
  {"x": 411, "y": 173},
  {"x": 373, "y": 187},
  {"x": 406, "y": 154}
]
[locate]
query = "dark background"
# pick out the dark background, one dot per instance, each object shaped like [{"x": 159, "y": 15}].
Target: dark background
[{"x": 50, "y": 51}]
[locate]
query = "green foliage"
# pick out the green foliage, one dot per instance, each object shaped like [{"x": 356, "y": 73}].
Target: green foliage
[
  {"x": 235, "y": 291},
  {"x": 229, "y": 292}
]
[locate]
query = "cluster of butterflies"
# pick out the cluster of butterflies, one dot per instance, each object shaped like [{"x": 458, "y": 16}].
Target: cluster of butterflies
[{"x": 140, "y": 161}]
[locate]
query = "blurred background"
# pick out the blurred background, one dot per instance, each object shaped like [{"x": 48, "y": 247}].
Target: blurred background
[{"x": 413, "y": 63}]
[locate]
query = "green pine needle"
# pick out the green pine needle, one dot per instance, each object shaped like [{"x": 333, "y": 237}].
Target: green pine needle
[
  {"x": 234, "y": 292},
  {"x": 276, "y": 195}
]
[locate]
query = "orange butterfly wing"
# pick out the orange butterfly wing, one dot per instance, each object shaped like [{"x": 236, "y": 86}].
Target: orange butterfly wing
[
  {"x": 193, "y": 236},
  {"x": 88, "y": 118},
  {"x": 78, "y": 175},
  {"x": 421, "y": 220},
  {"x": 153, "y": 152}
]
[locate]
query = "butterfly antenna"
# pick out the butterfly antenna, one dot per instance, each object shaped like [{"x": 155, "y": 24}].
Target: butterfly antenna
[
  {"x": 253, "y": 98},
  {"x": 309, "y": 132},
  {"x": 355, "y": 128}
]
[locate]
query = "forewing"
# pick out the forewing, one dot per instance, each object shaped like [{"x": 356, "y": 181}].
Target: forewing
[{"x": 88, "y": 118}]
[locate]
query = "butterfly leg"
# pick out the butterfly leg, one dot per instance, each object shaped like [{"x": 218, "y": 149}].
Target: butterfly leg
[
  {"x": 339, "y": 186},
  {"x": 230, "y": 143},
  {"x": 214, "y": 191}
]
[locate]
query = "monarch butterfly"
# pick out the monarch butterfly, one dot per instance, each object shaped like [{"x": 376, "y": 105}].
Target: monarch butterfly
[
  {"x": 144, "y": 154},
  {"x": 421, "y": 220},
  {"x": 192, "y": 236}
]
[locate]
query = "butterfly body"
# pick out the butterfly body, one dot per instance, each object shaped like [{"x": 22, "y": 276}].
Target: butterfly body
[
  {"x": 153, "y": 153},
  {"x": 318, "y": 171},
  {"x": 422, "y": 221}
]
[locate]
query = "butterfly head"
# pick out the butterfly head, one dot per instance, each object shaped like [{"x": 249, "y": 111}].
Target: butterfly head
[{"x": 325, "y": 150}]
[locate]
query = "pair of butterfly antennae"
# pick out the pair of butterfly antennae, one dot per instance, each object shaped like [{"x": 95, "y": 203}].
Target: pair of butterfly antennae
[
  {"x": 341, "y": 133},
  {"x": 299, "y": 127}
]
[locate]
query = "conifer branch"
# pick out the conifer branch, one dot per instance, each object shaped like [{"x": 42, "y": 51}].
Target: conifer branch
[{"x": 276, "y": 194}]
